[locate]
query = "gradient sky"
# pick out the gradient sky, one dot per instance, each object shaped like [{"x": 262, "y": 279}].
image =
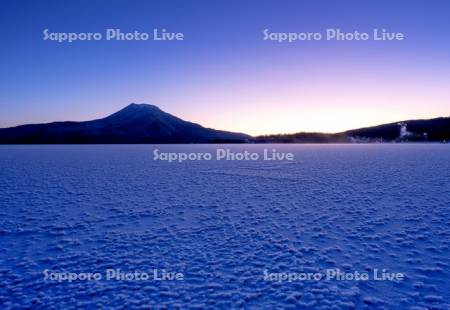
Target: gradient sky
[{"x": 223, "y": 75}]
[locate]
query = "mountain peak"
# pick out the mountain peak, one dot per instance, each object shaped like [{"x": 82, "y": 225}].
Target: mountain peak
[
  {"x": 136, "y": 106},
  {"x": 134, "y": 110},
  {"x": 136, "y": 123}
]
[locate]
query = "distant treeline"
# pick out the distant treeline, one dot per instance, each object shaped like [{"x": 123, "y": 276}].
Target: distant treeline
[
  {"x": 432, "y": 130},
  {"x": 304, "y": 137}
]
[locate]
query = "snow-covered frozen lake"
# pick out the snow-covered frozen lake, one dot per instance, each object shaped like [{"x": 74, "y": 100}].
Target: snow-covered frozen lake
[{"x": 240, "y": 233}]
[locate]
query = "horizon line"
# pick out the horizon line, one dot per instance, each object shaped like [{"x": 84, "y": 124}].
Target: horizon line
[{"x": 221, "y": 129}]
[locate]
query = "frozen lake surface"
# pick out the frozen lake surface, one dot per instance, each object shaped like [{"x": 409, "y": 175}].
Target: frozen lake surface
[{"x": 225, "y": 226}]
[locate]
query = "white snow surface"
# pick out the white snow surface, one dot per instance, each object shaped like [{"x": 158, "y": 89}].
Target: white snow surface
[{"x": 222, "y": 223}]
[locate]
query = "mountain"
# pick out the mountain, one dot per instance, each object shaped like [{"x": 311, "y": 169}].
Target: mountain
[
  {"x": 144, "y": 123},
  {"x": 436, "y": 129},
  {"x": 136, "y": 123},
  {"x": 432, "y": 130}
]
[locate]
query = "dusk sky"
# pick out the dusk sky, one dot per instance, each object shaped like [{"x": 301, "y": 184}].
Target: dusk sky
[{"x": 223, "y": 74}]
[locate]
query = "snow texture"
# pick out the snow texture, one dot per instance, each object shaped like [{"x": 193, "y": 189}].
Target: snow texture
[{"x": 221, "y": 224}]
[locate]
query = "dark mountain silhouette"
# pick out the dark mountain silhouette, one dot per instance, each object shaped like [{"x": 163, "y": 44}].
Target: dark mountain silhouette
[
  {"x": 136, "y": 123},
  {"x": 144, "y": 123},
  {"x": 436, "y": 129},
  {"x": 431, "y": 130}
]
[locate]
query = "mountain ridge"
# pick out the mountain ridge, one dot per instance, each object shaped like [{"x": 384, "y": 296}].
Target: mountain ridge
[
  {"x": 136, "y": 123},
  {"x": 146, "y": 123},
  {"x": 415, "y": 130}
]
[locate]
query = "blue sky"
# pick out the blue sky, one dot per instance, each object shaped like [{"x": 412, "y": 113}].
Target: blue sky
[{"x": 224, "y": 75}]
